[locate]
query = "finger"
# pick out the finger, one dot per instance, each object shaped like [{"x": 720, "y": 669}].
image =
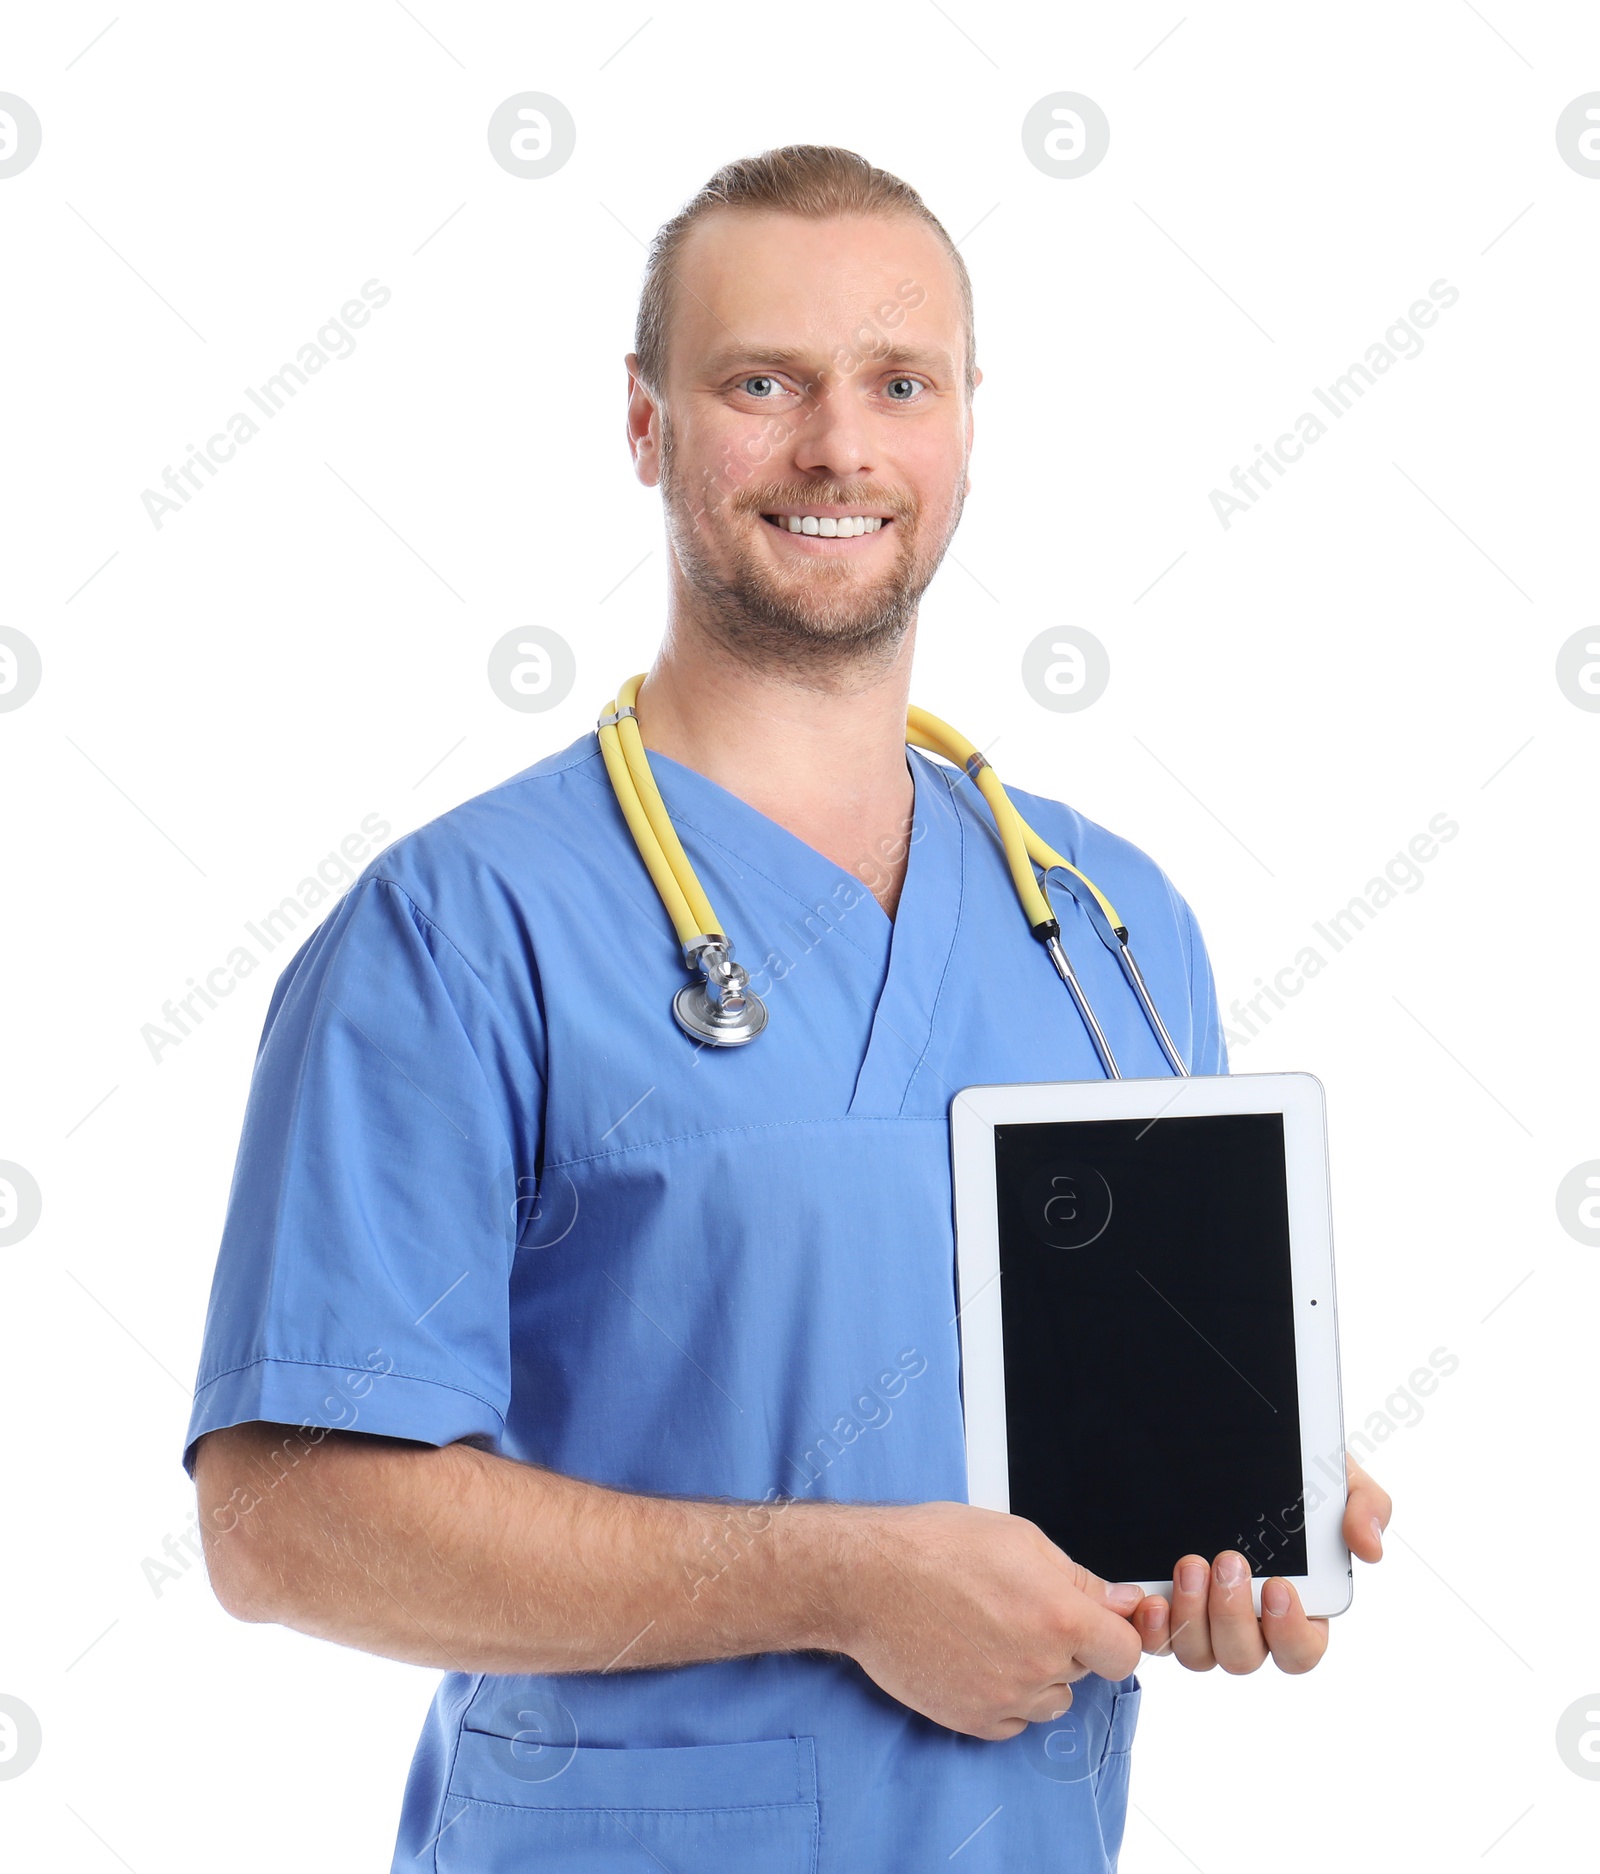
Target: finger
[
  {"x": 1154, "y": 1621},
  {"x": 1189, "y": 1621},
  {"x": 1236, "y": 1637},
  {"x": 1048, "y": 1704},
  {"x": 1368, "y": 1508},
  {"x": 1295, "y": 1641}
]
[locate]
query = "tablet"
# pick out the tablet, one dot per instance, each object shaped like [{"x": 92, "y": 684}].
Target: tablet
[{"x": 1149, "y": 1339}]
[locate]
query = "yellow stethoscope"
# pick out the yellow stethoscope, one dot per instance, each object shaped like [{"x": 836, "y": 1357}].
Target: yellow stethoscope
[{"x": 720, "y": 1007}]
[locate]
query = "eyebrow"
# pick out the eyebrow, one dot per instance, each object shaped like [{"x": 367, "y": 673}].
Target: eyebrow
[{"x": 928, "y": 358}]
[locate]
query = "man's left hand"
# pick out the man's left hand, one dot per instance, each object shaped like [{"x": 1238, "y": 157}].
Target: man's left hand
[{"x": 1212, "y": 1621}]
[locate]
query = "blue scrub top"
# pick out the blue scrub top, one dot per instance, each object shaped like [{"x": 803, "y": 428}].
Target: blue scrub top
[{"x": 488, "y": 1190}]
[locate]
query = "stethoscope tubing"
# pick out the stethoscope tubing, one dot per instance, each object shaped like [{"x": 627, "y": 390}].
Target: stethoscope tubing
[{"x": 725, "y": 1012}]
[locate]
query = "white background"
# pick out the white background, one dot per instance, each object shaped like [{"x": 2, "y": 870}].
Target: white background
[{"x": 1374, "y": 643}]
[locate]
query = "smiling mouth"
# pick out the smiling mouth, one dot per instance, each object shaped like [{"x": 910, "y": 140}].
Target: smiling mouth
[{"x": 829, "y": 526}]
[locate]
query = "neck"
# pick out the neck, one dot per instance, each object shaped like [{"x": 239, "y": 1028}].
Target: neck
[{"x": 826, "y": 763}]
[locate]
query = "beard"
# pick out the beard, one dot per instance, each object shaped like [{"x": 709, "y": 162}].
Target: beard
[{"x": 819, "y": 619}]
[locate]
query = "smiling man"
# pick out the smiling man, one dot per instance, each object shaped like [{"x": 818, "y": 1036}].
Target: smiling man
[{"x": 616, "y": 1375}]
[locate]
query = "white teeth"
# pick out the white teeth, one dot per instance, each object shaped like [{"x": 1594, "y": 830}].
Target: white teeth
[{"x": 830, "y": 528}]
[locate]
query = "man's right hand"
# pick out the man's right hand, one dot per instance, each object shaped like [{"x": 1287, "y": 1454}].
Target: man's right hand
[
  {"x": 462, "y": 1560},
  {"x": 976, "y": 1619}
]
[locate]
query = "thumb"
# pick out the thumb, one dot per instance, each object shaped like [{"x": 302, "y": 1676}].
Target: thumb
[{"x": 1121, "y": 1597}]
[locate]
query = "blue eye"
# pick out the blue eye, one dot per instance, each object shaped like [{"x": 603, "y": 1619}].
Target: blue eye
[
  {"x": 911, "y": 383},
  {"x": 759, "y": 396}
]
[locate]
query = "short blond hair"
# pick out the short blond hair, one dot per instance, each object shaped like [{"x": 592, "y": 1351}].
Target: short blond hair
[{"x": 814, "y": 180}]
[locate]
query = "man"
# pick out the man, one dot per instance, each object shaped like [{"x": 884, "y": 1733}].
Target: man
[{"x": 664, "y": 1467}]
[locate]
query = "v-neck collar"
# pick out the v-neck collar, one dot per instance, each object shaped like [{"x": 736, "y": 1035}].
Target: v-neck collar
[
  {"x": 919, "y": 938},
  {"x": 920, "y": 948},
  {"x": 719, "y": 814}
]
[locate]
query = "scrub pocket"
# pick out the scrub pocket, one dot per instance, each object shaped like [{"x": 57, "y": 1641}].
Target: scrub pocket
[
  {"x": 747, "y": 1808},
  {"x": 1111, "y": 1779}
]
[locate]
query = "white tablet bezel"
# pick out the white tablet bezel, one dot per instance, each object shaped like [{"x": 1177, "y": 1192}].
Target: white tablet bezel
[{"x": 1327, "y": 1586}]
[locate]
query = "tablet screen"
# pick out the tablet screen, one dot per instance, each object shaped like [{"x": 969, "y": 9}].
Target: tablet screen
[{"x": 1147, "y": 1309}]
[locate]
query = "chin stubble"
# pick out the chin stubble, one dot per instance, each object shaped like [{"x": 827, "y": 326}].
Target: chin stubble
[{"x": 758, "y": 621}]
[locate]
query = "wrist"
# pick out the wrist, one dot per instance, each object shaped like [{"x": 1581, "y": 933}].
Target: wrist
[{"x": 832, "y": 1556}]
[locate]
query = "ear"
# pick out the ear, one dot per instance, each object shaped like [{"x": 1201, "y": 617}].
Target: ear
[{"x": 643, "y": 426}]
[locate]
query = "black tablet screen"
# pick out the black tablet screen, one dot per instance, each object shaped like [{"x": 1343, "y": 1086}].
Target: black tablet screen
[{"x": 1147, "y": 1309}]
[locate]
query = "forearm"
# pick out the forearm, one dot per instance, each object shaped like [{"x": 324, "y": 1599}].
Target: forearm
[{"x": 457, "y": 1559}]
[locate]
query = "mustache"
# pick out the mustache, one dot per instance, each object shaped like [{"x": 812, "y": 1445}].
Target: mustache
[{"x": 827, "y": 494}]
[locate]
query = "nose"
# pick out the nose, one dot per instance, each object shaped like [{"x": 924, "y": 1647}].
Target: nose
[{"x": 833, "y": 437}]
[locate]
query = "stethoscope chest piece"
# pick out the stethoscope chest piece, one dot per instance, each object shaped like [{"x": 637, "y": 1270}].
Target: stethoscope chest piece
[
  {"x": 718, "y": 1008},
  {"x": 721, "y": 1009}
]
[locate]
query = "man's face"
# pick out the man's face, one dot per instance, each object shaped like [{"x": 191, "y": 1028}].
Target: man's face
[{"x": 814, "y": 372}]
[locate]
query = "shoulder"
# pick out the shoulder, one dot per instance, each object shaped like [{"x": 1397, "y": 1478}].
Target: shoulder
[
  {"x": 1147, "y": 900},
  {"x": 1163, "y": 931},
  {"x": 520, "y": 829},
  {"x": 457, "y": 897}
]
